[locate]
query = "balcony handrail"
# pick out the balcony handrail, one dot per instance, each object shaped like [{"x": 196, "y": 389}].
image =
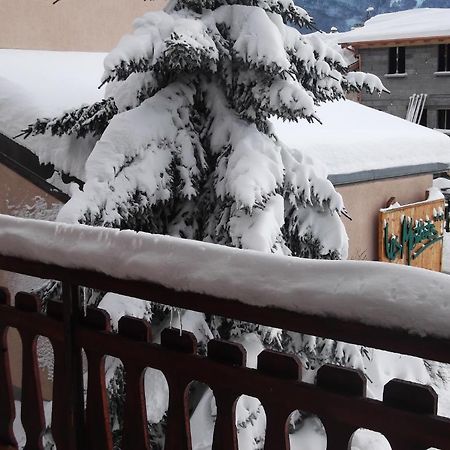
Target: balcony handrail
[
  {"x": 72, "y": 253},
  {"x": 69, "y": 332}
]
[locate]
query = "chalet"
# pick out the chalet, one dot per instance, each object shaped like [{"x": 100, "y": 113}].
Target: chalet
[{"x": 410, "y": 52}]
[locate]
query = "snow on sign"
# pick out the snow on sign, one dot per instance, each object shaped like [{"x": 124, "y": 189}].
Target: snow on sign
[{"x": 413, "y": 234}]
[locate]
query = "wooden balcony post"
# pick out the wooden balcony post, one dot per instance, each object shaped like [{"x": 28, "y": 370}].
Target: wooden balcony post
[
  {"x": 7, "y": 409},
  {"x": 98, "y": 427},
  {"x": 74, "y": 390},
  {"x": 178, "y": 435},
  {"x": 32, "y": 411},
  {"x": 135, "y": 435}
]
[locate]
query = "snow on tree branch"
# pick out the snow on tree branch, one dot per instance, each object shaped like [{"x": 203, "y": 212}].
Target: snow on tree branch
[
  {"x": 185, "y": 143},
  {"x": 186, "y": 148}
]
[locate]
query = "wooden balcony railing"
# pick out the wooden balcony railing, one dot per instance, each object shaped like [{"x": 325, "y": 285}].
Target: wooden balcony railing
[{"x": 407, "y": 415}]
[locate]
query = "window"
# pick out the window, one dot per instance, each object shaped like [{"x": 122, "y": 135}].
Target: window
[
  {"x": 444, "y": 58},
  {"x": 444, "y": 119},
  {"x": 396, "y": 60}
]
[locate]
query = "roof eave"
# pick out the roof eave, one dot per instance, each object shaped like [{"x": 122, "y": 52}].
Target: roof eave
[
  {"x": 364, "y": 176},
  {"x": 398, "y": 42}
]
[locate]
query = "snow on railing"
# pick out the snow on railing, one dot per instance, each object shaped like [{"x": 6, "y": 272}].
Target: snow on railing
[
  {"x": 302, "y": 296},
  {"x": 371, "y": 293}
]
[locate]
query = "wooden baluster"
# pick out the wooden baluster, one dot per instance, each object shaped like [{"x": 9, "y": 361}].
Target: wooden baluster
[
  {"x": 61, "y": 401},
  {"x": 32, "y": 412},
  {"x": 7, "y": 408},
  {"x": 135, "y": 433},
  {"x": 339, "y": 435},
  {"x": 68, "y": 391},
  {"x": 225, "y": 432},
  {"x": 178, "y": 435},
  {"x": 98, "y": 428},
  {"x": 287, "y": 367},
  {"x": 277, "y": 436},
  {"x": 414, "y": 398},
  {"x": 75, "y": 431},
  {"x": 340, "y": 380}
]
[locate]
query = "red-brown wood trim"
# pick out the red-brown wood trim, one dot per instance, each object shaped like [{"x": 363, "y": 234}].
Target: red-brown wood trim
[{"x": 398, "y": 42}]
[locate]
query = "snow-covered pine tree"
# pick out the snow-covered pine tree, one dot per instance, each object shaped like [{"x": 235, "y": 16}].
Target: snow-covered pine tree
[{"x": 185, "y": 144}]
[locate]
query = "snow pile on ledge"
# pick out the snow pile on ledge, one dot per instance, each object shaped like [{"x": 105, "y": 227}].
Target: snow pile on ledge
[
  {"x": 388, "y": 295},
  {"x": 36, "y": 84},
  {"x": 355, "y": 138},
  {"x": 413, "y": 23}
]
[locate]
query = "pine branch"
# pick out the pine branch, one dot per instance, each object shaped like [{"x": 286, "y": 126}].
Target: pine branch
[{"x": 89, "y": 119}]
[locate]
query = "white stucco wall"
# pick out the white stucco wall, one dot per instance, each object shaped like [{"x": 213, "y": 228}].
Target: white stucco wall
[{"x": 77, "y": 25}]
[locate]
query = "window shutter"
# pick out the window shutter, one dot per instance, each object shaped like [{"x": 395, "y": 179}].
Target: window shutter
[
  {"x": 401, "y": 66},
  {"x": 441, "y": 119},
  {"x": 447, "y": 66},
  {"x": 392, "y": 60},
  {"x": 441, "y": 58}
]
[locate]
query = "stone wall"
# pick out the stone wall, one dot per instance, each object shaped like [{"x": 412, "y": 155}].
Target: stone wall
[{"x": 421, "y": 78}]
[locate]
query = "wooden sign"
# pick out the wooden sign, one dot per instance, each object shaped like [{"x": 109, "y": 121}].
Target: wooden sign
[{"x": 413, "y": 234}]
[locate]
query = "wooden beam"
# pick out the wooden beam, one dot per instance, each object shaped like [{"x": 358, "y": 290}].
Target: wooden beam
[{"x": 398, "y": 42}]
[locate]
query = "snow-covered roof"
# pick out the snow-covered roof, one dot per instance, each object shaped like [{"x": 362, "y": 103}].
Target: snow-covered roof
[
  {"x": 36, "y": 84},
  {"x": 352, "y": 139},
  {"x": 359, "y": 143},
  {"x": 410, "y": 24}
]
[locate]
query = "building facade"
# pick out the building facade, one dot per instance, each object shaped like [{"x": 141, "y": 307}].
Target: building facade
[
  {"x": 410, "y": 52},
  {"x": 408, "y": 70},
  {"x": 371, "y": 158}
]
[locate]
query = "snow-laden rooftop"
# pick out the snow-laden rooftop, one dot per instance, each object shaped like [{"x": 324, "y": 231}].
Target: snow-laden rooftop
[
  {"x": 353, "y": 290},
  {"x": 36, "y": 84},
  {"x": 354, "y": 138},
  {"x": 414, "y": 23}
]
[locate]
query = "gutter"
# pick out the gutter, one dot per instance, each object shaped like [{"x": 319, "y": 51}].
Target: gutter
[{"x": 391, "y": 172}]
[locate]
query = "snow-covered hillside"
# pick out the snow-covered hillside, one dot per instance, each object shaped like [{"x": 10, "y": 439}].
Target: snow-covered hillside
[{"x": 345, "y": 14}]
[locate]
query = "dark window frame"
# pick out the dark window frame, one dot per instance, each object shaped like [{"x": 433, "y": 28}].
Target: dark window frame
[
  {"x": 444, "y": 58},
  {"x": 443, "y": 119},
  {"x": 397, "y": 60}
]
